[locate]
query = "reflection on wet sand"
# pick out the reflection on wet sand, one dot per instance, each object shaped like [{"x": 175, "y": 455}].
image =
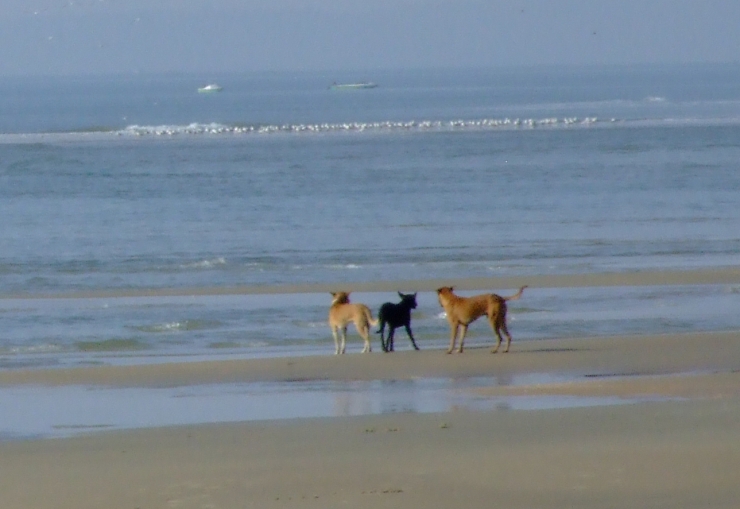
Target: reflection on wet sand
[{"x": 71, "y": 410}]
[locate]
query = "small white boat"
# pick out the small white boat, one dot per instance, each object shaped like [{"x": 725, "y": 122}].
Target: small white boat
[
  {"x": 212, "y": 87},
  {"x": 352, "y": 86}
]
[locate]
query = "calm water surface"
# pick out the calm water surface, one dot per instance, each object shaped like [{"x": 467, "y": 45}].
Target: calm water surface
[{"x": 131, "y": 183}]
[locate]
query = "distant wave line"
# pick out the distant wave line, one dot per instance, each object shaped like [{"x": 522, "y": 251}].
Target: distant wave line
[
  {"x": 412, "y": 125},
  {"x": 489, "y": 124}
]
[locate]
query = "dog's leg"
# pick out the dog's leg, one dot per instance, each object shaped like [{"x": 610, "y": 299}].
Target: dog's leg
[
  {"x": 362, "y": 330},
  {"x": 508, "y": 336},
  {"x": 498, "y": 322},
  {"x": 336, "y": 340},
  {"x": 365, "y": 333},
  {"x": 391, "y": 342},
  {"x": 453, "y": 337},
  {"x": 411, "y": 336},
  {"x": 344, "y": 339},
  {"x": 381, "y": 331},
  {"x": 463, "y": 331},
  {"x": 498, "y": 338}
]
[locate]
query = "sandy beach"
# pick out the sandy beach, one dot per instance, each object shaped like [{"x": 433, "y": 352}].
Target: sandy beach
[
  {"x": 167, "y": 259},
  {"x": 667, "y": 434}
]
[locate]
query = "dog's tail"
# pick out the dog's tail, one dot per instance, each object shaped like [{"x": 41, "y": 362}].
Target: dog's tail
[
  {"x": 517, "y": 294},
  {"x": 369, "y": 317},
  {"x": 380, "y": 322}
]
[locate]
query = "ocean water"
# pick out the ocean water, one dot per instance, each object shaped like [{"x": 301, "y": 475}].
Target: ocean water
[{"x": 113, "y": 186}]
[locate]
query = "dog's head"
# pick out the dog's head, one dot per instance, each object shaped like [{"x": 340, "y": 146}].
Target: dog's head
[
  {"x": 340, "y": 297},
  {"x": 444, "y": 294},
  {"x": 408, "y": 299}
]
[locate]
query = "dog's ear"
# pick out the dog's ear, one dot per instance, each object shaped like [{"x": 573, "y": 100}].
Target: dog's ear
[{"x": 401, "y": 295}]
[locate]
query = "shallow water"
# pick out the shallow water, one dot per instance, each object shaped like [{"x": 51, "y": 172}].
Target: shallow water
[
  {"x": 42, "y": 333},
  {"x": 126, "y": 183},
  {"x": 73, "y": 410}
]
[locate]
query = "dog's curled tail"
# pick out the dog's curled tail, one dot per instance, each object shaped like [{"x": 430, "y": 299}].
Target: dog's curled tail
[
  {"x": 369, "y": 317},
  {"x": 517, "y": 294}
]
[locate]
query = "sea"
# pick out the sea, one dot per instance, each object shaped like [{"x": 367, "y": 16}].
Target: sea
[{"x": 131, "y": 204}]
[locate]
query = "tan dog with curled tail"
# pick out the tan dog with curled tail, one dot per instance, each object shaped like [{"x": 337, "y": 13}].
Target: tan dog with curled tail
[
  {"x": 341, "y": 313},
  {"x": 462, "y": 311}
]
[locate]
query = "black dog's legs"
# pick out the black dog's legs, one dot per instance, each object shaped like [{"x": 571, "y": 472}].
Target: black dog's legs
[
  {"x": 389, "y": 343},
  {"x": 381, "y": 331},
  {"x": 411, "y": 336}
]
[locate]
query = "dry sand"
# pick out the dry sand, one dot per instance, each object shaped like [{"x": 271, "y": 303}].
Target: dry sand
[{"x": 681, "y": 451}]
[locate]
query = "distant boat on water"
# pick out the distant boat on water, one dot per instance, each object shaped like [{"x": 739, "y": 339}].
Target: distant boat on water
[
  {"x": 352, "y": 86},
  {"x": 212, "y": 87}
]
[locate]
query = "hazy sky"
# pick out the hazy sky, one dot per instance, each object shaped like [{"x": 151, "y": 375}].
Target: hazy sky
[{"x": 94, "y": 36}]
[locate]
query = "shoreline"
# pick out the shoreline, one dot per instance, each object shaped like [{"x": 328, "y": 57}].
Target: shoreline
[
  {"x": 631, "y": 355},
  {"x": 700, "y": 276},
  {"x": 665, "y": 433}
]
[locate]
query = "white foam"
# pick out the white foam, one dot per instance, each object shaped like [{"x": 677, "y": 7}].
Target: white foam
[
  {"x": 35, "y": 349},
  {"x": 382, "y": 126},
  {"x": 205, "y": 264},
  {"x": 168, "y": 327}
]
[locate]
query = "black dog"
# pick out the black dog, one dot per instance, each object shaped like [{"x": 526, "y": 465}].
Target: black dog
[{"x": 396, "y": 315}]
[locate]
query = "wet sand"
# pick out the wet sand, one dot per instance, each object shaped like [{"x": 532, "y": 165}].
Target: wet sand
[
  {"x": 679, "y": 448},
  {"x": 592, "y": 358}
]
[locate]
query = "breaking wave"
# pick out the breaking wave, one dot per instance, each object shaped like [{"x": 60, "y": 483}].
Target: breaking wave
[
  {"x": 179, "y": 326},
  {"x": 487, "y": 124},
  {"x": 205, "y": 264},
  {"x": 385, "y": 126}
]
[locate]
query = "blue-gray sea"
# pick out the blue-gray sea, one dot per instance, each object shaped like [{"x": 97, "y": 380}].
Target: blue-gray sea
[{"x": 112, "y": 186}]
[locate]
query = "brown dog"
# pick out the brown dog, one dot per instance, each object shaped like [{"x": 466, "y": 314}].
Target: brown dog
[
  {"x": 462, "y": 311},
  {"x": 341, "y": 313}
]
